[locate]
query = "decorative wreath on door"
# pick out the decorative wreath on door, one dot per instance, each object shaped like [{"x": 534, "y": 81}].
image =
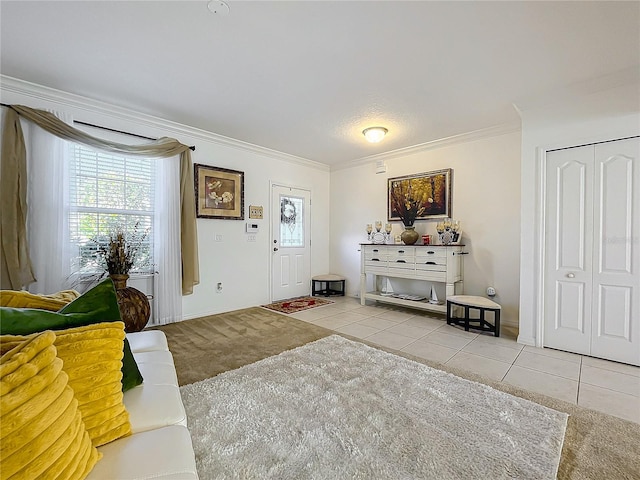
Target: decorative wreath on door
[{"x": 288, "y": 213}]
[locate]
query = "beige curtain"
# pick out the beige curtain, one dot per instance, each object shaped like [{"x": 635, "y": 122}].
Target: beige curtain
[
  {"x": 14, "y": 240},
  {"x": 15, "y": 264}
]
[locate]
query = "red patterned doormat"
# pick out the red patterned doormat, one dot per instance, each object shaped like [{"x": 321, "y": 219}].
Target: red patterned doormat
[{"x": 294, "y": 305}]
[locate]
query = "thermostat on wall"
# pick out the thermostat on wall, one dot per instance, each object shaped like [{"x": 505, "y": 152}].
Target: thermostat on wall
[{"x": 252, "y": 227}]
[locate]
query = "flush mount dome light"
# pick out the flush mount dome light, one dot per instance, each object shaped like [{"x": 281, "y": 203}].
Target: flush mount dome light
[
  {"x": 218, "y": 7},
  {"x": 374, "y": 134}
]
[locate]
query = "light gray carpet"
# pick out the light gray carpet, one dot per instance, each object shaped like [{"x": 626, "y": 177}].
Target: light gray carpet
[{"x": 335, "y": 409}]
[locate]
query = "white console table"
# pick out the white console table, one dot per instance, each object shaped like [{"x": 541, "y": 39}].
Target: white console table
[{"x": 428, "y": 263}]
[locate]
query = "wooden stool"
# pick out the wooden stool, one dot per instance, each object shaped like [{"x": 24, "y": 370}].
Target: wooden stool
[
  {"x": 477, "y": 303},
  {"x": 321, "y": 285}
]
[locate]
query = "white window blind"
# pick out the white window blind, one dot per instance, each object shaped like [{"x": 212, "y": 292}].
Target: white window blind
[{"x": 108, "y": 192}]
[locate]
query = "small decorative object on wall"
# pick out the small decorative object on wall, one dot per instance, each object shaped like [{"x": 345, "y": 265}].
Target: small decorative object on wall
[
  {"x": 449, "y": 231},
  {"x": 423, "y": 196},
  {"x": 255, "y": 211},
  {"x": 219, "y": 193}
]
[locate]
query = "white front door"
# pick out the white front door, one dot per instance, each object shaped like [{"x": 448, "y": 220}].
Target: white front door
[
  {"x": 291, "y": 243},
  {"x": 592, "y": 250}
]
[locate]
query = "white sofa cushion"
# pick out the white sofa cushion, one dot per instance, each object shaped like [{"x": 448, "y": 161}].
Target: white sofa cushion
[
  {"x": 147, "y": 341},
  {"x": 165, "y": 453},
  {"x": 158, "y": 374},
  {"x": 154, "y": 406},
  {"x": 155, "y": 357}
]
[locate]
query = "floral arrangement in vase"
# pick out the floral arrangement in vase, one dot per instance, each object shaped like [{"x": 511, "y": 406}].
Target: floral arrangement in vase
[
  {"x": 119, "y": 251},
  {"x": 408, "y": 207}
]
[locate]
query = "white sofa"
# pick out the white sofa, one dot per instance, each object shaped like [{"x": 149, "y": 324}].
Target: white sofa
[{"x": 160, "y": 446}]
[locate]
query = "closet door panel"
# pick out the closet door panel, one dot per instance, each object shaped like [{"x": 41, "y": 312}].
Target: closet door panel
[
  {"x": 616, "y": 273},
  {"x": 568, "y": 248}
]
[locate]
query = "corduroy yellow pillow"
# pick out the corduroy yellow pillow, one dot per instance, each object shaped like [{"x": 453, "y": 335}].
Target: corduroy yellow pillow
[
  {"x": 22, "y": 299},
  {"x": 92, "y": 357},
  {"x": 42, "y": 434}
]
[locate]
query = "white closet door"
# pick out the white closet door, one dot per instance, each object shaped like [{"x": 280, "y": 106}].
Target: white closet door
[
  {"x": 615, "y": 329},
  {"x": 568, "y": 248}
]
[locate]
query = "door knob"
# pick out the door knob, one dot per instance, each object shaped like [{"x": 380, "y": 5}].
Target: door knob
[
  {"x": 275, "y": 249},
  {"x": 571, "y": 275}
]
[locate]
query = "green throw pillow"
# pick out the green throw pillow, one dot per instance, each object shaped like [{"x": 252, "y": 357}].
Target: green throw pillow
[{"x": 100, "y": 304}]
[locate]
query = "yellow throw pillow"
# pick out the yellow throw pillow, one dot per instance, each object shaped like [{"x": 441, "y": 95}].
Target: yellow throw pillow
[
  {"x": 42, "y": 434},
  {"x": 22, "y": 299},
  {"x": 92, "y": 357}
]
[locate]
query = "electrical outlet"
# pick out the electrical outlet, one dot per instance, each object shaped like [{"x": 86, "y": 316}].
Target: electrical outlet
[
  {"x": 218, "y": 238},
  {"x": 491, "y": 291},
  {"x": 219, "y": 287},
  {"x": 251, "y": 238},
  {"x": 255, "y": 211}
]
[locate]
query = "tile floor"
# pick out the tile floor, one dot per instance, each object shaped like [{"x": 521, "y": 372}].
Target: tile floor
[{"x": 610, "y": 387}]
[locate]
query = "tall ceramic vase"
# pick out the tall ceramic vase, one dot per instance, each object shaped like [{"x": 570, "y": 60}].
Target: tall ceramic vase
[
  {"x": 133, "y": 304},
  {"x": 409, "y": 236}
]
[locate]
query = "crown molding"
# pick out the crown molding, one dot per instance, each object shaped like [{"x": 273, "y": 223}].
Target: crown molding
[
  {"x": 48, "y": 94},
  {"x": 578, "y": 90},
  {"x": 443, "y": 142}
]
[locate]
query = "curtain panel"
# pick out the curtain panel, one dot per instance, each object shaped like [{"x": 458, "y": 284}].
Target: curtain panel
[
  {"x": 15, "y": 263},
  {"x": 14, "y": 251}
]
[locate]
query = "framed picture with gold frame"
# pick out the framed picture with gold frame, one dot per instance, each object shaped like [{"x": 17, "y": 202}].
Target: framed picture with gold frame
[
  {"x": 219, "y": 192},
  {"x": 432, "y": 191}
]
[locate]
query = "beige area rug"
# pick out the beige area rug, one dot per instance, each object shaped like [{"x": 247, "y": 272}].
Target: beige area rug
[
  {"x": 207, "y": 346},
  {"x": 294, "y": 305},
  {"x": 596, "y": 446},
  {"x": 335, "y": 409}
]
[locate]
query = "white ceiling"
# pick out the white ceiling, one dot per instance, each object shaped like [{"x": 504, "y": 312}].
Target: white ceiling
[{"x": 306, "y": 77}]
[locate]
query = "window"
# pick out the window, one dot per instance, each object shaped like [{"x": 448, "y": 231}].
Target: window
[
  {"x": 291, "y": 221},
  {"x": 109, "y": 192}
]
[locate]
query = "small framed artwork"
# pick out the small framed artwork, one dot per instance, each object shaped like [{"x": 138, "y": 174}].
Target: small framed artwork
[
  {"x": 219, "y": 193},
  {"x": 426, "y": 195}
]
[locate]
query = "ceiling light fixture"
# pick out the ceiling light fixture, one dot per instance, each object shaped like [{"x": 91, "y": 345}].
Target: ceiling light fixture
[
  {"x": 218, "y": 7},
  {"x": 374, "y": 134}
]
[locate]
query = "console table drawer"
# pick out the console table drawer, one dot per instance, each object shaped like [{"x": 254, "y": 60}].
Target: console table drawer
[
  {"x": 431, "y": 266},
  {"x": 405, "y": 259},
  {"x": 399, "y": 266},
  {"x": 375, "y": 257},
  {"x": 369, "y": 264},
  {"x": 430, "y": 253},
  {"x": 375, "y": 249},
  {"x": 402, "y": 251}
]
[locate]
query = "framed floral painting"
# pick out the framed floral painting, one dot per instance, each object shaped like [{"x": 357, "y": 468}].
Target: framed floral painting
[
  {"x": 423, "y": 196},
  {"x": 219, "y": 192}
]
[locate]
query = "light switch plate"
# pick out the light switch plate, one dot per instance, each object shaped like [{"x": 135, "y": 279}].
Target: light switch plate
[{"x": 255, "y": 211}]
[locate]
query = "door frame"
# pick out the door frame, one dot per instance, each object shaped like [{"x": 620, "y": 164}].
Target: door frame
[{"x": 272, "y": 184}]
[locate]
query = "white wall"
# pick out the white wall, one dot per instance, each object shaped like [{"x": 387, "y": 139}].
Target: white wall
[
  {"x": 571, "y": 120},
  {"x": 486, "y": 199},
  {"x": 243, "y": 267}
]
